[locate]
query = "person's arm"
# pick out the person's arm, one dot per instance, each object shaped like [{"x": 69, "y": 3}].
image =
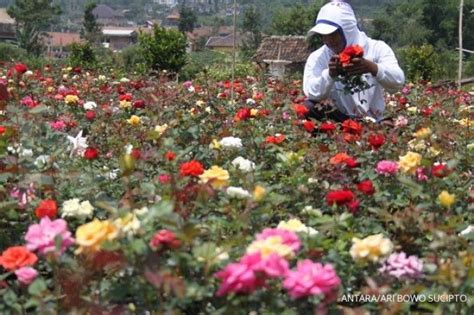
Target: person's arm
[
  {"x": 317, "y": 81},
  {"x": 384, "y": 68}
]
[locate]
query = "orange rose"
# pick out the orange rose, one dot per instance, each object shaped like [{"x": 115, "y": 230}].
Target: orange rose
[{"x": 17, "y": 257}]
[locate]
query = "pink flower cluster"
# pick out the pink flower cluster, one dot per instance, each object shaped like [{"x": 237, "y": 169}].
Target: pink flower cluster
[
  {"x": 42, "y": 236},
  {"x": 253, "y": 270},
  {"x": 387, "y": 168},
  {"x": 250, "y": 273},
  {"x": 400, "y": 266},
  {"x": 58, "y": 125},
  {"x": 26, "y": 275},
  {"x": 289, "y": 238},
  {"x": 312, "y": 279}
]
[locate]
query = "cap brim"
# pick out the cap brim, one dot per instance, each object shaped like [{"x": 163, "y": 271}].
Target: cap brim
[{"x": 323, "y": 29}]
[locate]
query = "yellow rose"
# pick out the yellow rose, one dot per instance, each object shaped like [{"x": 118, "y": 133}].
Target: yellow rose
[
  {"x": 423, "y": 133},
  {"x": 71, "y": 99},
  {"x": 295, "y": 225},
  {"x": 409, "y": 162},
  {"x": 215, "y": 144},
  {"x": 371, "y": 248},
  {"x": 90, "y": 236},
  {"x": 134, "y": 120},
  {"x": 253, "y": 112},
  {"x": 446, "y": 199},
  {"x": 125, "y": 104},
  {"x": 270, "y": 245},
  {"x": 258, "y": 193},
  {"x": 161, "y": 129},
  {"x": 218, "y": 176}
]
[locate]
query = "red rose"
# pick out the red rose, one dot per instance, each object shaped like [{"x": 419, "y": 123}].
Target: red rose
[
  {"x": 21, "y": 68},
  {"x": 376, "y": 140},
  {"x": 309, "y": 125},
  {"x": 136, "y": 153},
  {"x": 91, "y": 153},
  {"x": 242, "y": 114},
  {"x": 126, "y": 97},
  {"x": 275, "y": 139},
  {"x": 90, "y": 115},
  {"x": 440, "y": 170},
  {"x": 165, "y": 238},
  {"x": 353, "y": 206},
  {"x": 352, "y": 127},
  {"x": 139, "y": 104},
  {"x": 351, "y": 162},
  {"x": 170, "y": 155},
  {"x": 300, "y": 110},
  {"x": 77, "y": 70},
  {"x": 339, "y": 197},
  {"x": 191, "y": 168},
  {"x": 2, "y": 130},
  {"x": 46, "y": 208},
  {"x": 327, "y": 127},
  {"x": 16, "y": 257},
  {"x": 366, "y": 187},
  {"x": 350, "y": 52},
  {"x": 164, "y": 178}
]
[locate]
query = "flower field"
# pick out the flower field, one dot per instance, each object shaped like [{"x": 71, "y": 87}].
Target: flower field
[{"x": 140, "y": 195}]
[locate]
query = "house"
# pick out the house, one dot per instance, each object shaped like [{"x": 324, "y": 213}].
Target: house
[
  {"x": 199, "y": 36},
  {"x": 172, "y": 19},
  {"x": 57, "y": 43},
  {"x": 224, "y": 43},
  {"x": 282, "y": 54},
  {"x": 7, "y": 27},
  {"x": 167, "y": 3},
  {"x": 105, "y": 15},
  {"x": 117, "y": 38}
]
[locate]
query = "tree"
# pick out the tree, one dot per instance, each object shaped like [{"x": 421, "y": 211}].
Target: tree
[
  {"x": 163, "y": 49},
  {"x": 296, "y": 20},
  {"x": 91, "y": 30},
  {"x": 251, "y": 29},
  {"x": 187, "y": 19},
  {"x": 32, "y": 18}
]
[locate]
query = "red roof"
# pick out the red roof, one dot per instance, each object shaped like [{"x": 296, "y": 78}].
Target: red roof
[{"x": 57, "y": 39}]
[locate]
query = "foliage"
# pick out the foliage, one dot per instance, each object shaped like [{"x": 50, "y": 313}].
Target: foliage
[
  {"x": 187, "y": 19},
  {"x": 82, "y": 54},
  {"x": 420, "y": 62},
  {"x": 251, "y": 30},
  {"x": 91, "y": 30},
  {"x": 132, "y": 59},
  {"x": 200, "y": 62},
  {"x": 164, "y": 49},
  {"x": 32, "y": 17},
  {"x": 295, "y": 20},
  {"x": 11, "y": 52}
]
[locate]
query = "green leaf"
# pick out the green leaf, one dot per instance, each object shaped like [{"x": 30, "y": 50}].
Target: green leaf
[
  {"x": 38, "y": 109},
  {"x": 37, "y": 287},
  {"x": 139, "y": 246}
]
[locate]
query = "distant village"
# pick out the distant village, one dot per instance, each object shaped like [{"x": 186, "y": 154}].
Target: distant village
[{"x": 118, "y": 32}]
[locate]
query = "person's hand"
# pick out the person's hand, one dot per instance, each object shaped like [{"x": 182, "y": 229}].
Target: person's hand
[
  {"x": 360, "y": 66},
  {"x": 335, "y": 67}
]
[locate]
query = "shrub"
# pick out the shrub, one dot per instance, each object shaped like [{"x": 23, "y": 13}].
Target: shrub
[
  {"x": 82, "y": 55},
  {"x": 10, "y": 52},
  {"x": 163, "y": 49},
  {"x": 420, "y": 62}
]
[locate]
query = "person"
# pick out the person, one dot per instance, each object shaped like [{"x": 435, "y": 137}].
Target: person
[{"x": 337, "y": 25}]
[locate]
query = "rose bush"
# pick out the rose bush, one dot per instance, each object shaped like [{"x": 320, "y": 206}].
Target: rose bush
[{"x": 176, "y": 199}]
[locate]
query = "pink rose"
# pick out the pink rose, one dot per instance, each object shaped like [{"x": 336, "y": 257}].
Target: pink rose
[
  {"x": 311, "y": 279},
  {"x": 387, "y": 167},
  {"x": 288, "y": 238},
  {"x": 42, "y": 236},
  {"x": 26, "y": 275}
]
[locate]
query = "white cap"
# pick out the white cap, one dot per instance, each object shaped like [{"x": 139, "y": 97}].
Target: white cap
[{"x": 323, "y": 28}]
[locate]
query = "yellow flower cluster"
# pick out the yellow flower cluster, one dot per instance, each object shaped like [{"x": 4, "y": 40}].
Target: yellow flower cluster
[
  {"x": 218, "y": 176},
  {"x": 409, "y": 162},
  {"x": 371, "y": 248},
  {"x": 259, "y": 192},
  {"x": 446, "y": 199},
  {"x": 125, "y": 104},
  {"x": 423, "y": 133},
  {"x": 270, "y": 245},
  {"x": 134, "y": 120},
  {"x": 295, "y": 225},
  {"x": 71, "y": 99},
  {"x": 91, "y": 235}
]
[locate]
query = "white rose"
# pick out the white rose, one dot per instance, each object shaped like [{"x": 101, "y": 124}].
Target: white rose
[
  {"x": 231, "y": 142},
  {"x": 238, "y": 192},
  {"x": 243, "y": 164}
]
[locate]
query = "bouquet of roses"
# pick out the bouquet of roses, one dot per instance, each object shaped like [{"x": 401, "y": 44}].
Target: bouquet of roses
[{"x": 352, "y": 83}]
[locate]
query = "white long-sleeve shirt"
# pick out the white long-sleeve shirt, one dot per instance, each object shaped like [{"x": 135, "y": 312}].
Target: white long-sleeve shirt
[{"x": 318, "y": 84}]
